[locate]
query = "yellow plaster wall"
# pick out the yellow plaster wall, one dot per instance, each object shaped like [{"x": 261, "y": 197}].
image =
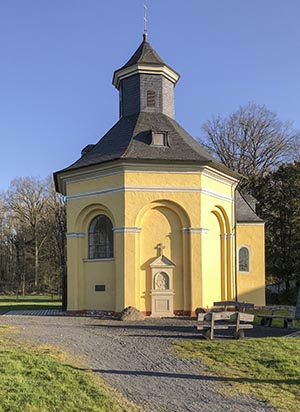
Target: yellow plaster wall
[
  {"x": 112, "y": 180},
  {"x": 137, "y": 200},
  {"x": 211, "y": 266},
  {"x": 167, "y": 179},
  {"x": 99, "y": 273},
  {"x": 218, "y": 186},
  {"x": 83, "y": 275},
  {"x": 162, "y": 216},
  {"x": 218, "y": 267},
  {"x": 251, "y": 286}
]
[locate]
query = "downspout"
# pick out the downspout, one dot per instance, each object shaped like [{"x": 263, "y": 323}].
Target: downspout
[
  {"x": 235, "y": 241},
  {"x": 235, "y": 245}
]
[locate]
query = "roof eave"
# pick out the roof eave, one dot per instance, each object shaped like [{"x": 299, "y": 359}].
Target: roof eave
[
  {"x": 251, "y": 222},
  {"x": 226, "y": 170},
  {"x": 58, "y": 183},
  {"x": 61, "y": 175},
  {"x": 144, "y": 68}
]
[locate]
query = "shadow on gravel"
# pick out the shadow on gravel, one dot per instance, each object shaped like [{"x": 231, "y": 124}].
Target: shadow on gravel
[
  {"x": 143, "y": 327},
  {"x": 151, "y": 331},
  {"x": 188, "y": 376},
  {"x": 169, "y": 336},
  {"x": 160, "y": 330}
]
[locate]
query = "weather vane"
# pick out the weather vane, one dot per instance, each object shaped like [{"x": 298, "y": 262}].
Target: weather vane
[{"x": 145, "y": 19}]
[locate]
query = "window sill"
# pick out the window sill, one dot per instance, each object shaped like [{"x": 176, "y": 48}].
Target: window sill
[{"x": 99, "y": 260}]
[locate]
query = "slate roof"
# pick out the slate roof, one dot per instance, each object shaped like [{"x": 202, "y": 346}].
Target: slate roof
[
  {"x": 144, "y": 54},
  {"x": 130, "y": 138},
  {"x": 245, "y": 212}
]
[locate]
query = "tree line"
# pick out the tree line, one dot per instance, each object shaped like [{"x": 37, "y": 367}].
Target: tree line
[
  {"x": 254, "y": 142},
  {"x": 32, "y": 237}
]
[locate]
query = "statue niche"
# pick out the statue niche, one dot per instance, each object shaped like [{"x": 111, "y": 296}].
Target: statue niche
[
  {"x": 161, "y": 281},
  {"x": 162, "y": 293}
]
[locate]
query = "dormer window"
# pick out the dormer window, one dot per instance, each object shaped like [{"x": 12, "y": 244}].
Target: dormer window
[
  {"x": 159, "y": 139},
  {"x": 151, "y": 97}
]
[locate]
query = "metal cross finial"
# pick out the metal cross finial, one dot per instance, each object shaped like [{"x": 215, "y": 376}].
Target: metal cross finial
[
  {"x": 160, "y": 247},
  {"x": 145, "y": 20}
]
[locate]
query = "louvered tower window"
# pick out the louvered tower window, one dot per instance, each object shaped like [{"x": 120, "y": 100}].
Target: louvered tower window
[{"x": 151, "y": 97}]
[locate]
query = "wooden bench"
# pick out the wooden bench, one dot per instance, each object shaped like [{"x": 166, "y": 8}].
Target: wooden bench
[
  {"x": 288, "y": 320},
  {"x": 209, "y": 322},
  {"x": 239, "y": 306}
]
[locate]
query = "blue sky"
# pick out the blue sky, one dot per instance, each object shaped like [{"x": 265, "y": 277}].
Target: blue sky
[{"x": 57, "y": 58}]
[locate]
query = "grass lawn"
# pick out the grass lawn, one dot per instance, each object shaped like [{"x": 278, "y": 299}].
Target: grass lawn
[
  {"x": 41, "y": 380},
  {"x": 267, "y": 368},
  {"x": 8, "y": 303}
]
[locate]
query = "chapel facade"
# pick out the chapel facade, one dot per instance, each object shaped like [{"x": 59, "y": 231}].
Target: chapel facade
[{"x": 153, "y": 221}]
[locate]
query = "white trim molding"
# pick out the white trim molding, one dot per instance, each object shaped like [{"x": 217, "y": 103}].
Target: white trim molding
[
  {"x": 95, "y": 193},
  {"x": 127, "y": 230},
  {"x": 159, "y": 189},
  {"x": 228, "y": 235},
  {"x": 75, "y": 235},
  {"x": 216, "y": 195},
  {"x": 219, "y": 176},
  {"x": 198, "y": 230}
]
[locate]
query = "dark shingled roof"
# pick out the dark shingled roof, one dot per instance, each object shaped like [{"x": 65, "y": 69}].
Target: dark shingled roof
[
  {"x": 130, "y": 138},
  {"x": 144, "y": 54},
  {"x": 245, "y": 212}
]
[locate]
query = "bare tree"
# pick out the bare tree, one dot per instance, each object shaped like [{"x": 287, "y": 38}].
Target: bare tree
[
  {"x": 252, "y": 141},
  {"x": 56, "y": 217},
  {"x": 26, "y": 200},
  {"x": 296, "y": 148},
  {"x": 32, "y": 237}
]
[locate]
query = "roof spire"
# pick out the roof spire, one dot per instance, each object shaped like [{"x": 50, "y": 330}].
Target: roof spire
[{"x": 145, "y": 35}]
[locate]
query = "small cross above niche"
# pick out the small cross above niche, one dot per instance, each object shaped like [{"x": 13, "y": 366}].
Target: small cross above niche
[{"x": 160, "y": 249}]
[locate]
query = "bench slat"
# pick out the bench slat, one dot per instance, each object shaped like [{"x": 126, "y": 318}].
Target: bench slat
[
  {"x": 223, "y": 326},
  {"x": 244, "y": 317},
  {"x": 240, "y": 305}
]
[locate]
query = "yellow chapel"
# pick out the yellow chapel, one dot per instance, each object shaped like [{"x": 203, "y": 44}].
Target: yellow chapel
[{"x": 153, "y": 221}]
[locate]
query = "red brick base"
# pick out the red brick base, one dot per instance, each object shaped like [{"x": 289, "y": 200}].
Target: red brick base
[
  {"x": 176, "y": 313},
  {"x": 91, "y": 313},
  {"x": 117, "y": 314}
]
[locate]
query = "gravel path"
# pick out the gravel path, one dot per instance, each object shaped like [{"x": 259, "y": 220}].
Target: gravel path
[{"x": 137, "y": 359}]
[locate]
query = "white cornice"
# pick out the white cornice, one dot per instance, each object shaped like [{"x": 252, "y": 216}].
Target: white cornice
[
  {"x": 131, "y": 168},
  {"x": 99, "y": 171}
]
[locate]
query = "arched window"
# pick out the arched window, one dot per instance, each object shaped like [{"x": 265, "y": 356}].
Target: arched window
[
  {"x": 244, "y": 259},
  {"x": 100, "y": 238},
  {"x": 151, "y": 98}
]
